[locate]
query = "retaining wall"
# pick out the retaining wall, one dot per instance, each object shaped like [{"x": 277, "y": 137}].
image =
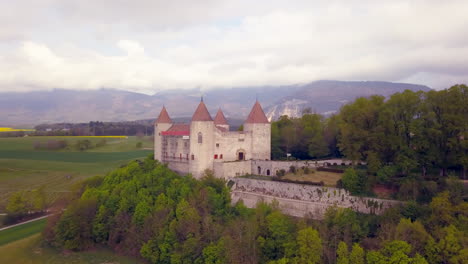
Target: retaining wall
[{"x": 303, "y": 200}]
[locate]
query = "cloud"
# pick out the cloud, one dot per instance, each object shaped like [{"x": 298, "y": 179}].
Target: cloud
[{"x": 147, "y": 46}]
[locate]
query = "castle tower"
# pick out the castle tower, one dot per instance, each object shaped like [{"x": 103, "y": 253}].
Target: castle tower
[
  {"x": 201, "y": 141},
  {"x": 163, "y": 123},
  {"x": 257, "y": 123},
  {"x": 220, "y": 120}
]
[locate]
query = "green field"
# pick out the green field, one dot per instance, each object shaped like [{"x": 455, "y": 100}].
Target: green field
[
  {"x": 31, "y": 250},
  {"x": 24, "y": 168},
  {"x": 22, "y": 231},
  {"x": 328, "y": 178}
]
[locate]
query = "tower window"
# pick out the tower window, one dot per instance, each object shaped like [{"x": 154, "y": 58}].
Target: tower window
[
  {"x": 221, "y": 156},
  {"x": 217, "y": 145},
  {"x": 193, "y": 157},
  {"x": 200, "y": 137},
  {"x": 216, "y": 156}
]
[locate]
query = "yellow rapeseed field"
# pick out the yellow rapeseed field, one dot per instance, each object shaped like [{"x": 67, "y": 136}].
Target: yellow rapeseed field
[{"x": 9, "y": 129}]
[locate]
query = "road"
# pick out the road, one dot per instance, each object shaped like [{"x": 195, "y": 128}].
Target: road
[{"x": 22, "y": 223}]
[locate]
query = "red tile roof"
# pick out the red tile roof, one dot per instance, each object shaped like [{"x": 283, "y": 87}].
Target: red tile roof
[
  {"x": 163, "y": 117},
  {"x": 201, "y": 114},
  {"x": 177, "y": 130},
  {"x": 220, "y": 119},
  {"x": 257, "y": 115}
]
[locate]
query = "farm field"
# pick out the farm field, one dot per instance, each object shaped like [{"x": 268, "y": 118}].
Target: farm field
[
  {"x": 31, "y": 250},
  {"x": 22, "y": 231},
  {"x": 24, "y": 168},
  {"x": 329, "y": 178}
]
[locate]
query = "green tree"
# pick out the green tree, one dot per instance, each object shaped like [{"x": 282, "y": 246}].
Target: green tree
[
  {"x": 39, "y": 199},
  {"x": 357, "y": 255},
  {"x": 310, "y": 246},
  {"x": 353, "y": 182},
  {"x": 342, "y": 253},
  {"x": 18, "y": 204},
  {"x": 413, "y": 233},
  {"x": 394, "y": 252}
]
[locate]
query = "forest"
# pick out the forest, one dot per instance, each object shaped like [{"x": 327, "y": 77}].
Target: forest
[
  {"x": 410, "y": 142},
  {"x": 147, "y": 211}
]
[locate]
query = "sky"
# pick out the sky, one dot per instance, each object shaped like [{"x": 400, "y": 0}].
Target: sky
[{"x": 152, "y": 45}]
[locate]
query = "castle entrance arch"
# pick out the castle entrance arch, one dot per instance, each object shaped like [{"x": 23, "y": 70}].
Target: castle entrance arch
[{"x": 240, "y": 154}]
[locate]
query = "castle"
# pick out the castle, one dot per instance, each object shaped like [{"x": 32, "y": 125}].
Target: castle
[{"x": 208, "y": 143}]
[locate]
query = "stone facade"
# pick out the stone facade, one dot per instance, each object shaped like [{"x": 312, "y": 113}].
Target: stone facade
[
  {"x": 209, "y": 144},
  {"x": 303, "y": 200}
]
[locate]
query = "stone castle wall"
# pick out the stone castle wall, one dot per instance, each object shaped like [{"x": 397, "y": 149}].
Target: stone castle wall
[
  {"x": 303, "y": 200},
  {"x": 270, "y": 167},
  {"x": 228, "y": 170}
]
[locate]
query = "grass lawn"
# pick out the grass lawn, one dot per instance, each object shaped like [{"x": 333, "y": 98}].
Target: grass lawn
[
  {"x": 31, "y": 250},
  {"x": 329, "y": 178},
  {"x": 21, "y": 231},
  {"x": 23, "y": 168}
]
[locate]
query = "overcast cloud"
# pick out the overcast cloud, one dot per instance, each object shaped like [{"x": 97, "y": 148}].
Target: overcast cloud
[{"x": 150, "y": 45}]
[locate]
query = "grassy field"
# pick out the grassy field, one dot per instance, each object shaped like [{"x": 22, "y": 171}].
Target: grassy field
[
  {"x": 31, "y": 250},
  {"x": 24, "y": 168},
  {"x": 22, "y": 231},
  {"x": 329, "y": 178}
]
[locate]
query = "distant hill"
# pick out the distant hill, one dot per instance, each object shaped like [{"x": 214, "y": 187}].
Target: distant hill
[
  {"x": 326, "y": 97},
  {"x": 73, "y": 106}
]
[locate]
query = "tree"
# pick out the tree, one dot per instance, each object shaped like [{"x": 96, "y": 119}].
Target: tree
[
  {"x": 357, "y": 255},
  {"x": 342, "y": 253},
  {"x": 18, "y": 204},
  {"x": 310, "y": 246},
  {"x": 441, "y": 210},
  {"x": 353, "y": 182},
  {"x": 358, "y": 127},
  {"x": 413, "y": 233},
  {"x": 39, "y": 199},
  {"x": 214, "y": 253},
  {"x": 394, "y": 252}
]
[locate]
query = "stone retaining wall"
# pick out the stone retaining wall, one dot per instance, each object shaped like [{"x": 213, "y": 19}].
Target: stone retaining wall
[{"x": 303, "y": 200}]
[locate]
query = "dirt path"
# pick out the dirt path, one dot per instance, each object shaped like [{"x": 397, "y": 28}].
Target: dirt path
[{"x": 32, "y": 220}]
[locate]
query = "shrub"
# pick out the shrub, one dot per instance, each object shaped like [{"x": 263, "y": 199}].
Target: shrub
[
  {"x": 353, "y": 182},
  {"x": 385, "y": 174},
  {"x": 139, "y": 145},
  {"x": 281, "y": 173},
  {"x": 292, "y": 169}
]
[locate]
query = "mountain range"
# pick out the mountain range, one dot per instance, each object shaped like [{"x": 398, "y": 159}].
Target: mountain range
[{"x": 55, "y": 106}]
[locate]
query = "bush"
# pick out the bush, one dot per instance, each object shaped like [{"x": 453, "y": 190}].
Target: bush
[
  {"x": 83, "y": 145},
  {"x": 281, "y": 173},
  {"x": 385, "y": 174},
  {"x": 292, "y": 169},
  {"x": 139, "y": 145},
  {"x": 354, "y": 182}
]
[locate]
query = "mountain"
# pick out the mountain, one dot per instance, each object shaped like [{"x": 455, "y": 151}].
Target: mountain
[
  {"x": 326, "y": 97},
  {"x": 32, "y": 108}
]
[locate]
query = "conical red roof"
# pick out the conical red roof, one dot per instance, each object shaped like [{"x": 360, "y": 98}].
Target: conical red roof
[
  {"x": 220, "y": 119},
  {"x": 257, "y": 115},
  {"x": 163, "y": 117},
  {"x": 201, "y": 114}
]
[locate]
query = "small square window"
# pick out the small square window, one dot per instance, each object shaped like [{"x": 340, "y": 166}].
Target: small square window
[
  {"x": 217, "y": 145},
  {"x": 216, "y": 156},
  {"x": 221, "y": 156}
]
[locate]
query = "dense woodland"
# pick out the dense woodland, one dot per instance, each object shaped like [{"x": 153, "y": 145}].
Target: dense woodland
[
  {"x": 410, "y": 130},
  {"x": 147, "y": 211},
  {"x": 410, "y": 142}
]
